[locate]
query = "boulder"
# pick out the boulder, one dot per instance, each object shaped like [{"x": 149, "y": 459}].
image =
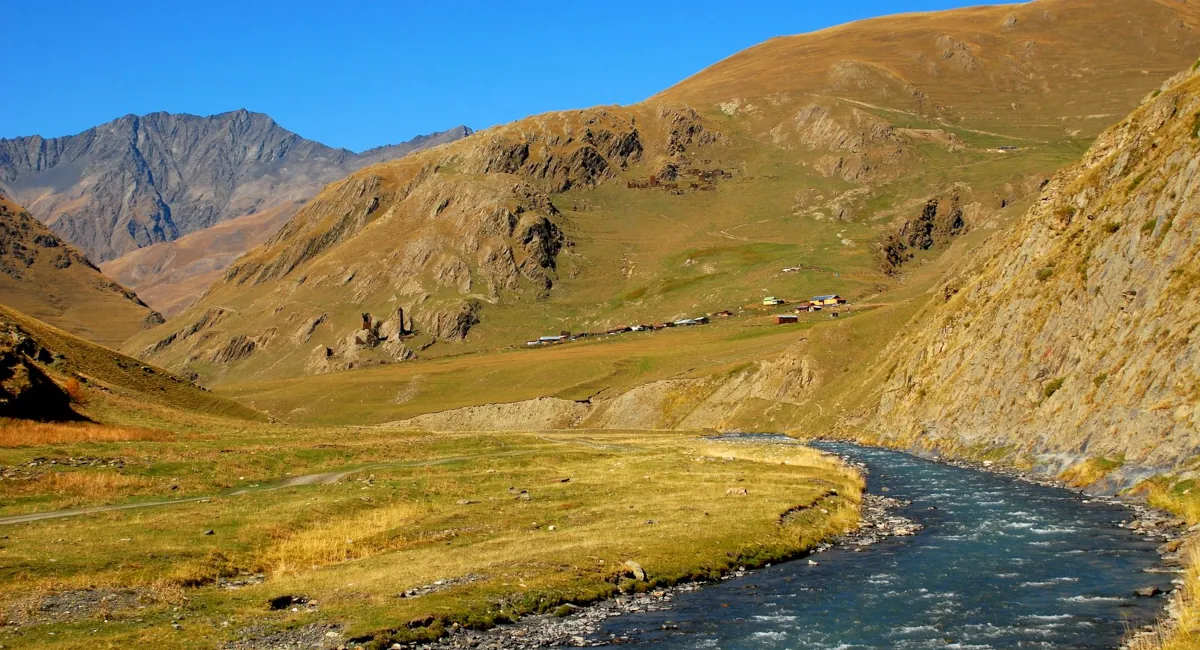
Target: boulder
[{"x": 634, "y": 569}]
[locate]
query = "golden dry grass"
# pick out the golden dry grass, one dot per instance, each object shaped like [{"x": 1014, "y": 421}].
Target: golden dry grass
[
  {"x": 1089, "y": 471},
  {"x": 1184, "y": 633},
  {"x": 334, "y": 540},
  {"x": 682, "y": 506},
  {"x": 26, "y": 433},
  {"x": 76, "y": 488}
]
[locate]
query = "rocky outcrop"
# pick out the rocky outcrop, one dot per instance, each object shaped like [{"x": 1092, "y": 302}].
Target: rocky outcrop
[
  {"x": 939, "y": 220},
  {"x": 1074, "y": 335},
  {"x": 139, "y": 180},
  {"x": 25, "y": 390}
]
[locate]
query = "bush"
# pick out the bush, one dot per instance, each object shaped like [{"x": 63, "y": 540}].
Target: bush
[
  {"x": 1137, "y": 180},
  {"x": 1111, "y": 227},
  {"x": 1149, "y": 225},
  {"x": 74, "y": 390},
  {"x": 1099, "y": 379},
  {"x": 1196, "y": 126},
  {"x": 1052, "y": 387},
  {"x": 1045, "y": 273}
]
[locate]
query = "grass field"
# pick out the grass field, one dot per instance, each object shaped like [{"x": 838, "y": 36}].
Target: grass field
[{"x": 518, "y": 523}]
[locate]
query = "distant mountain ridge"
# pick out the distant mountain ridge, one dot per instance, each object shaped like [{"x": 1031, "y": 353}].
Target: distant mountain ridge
[{"x": 141, "y": 180}]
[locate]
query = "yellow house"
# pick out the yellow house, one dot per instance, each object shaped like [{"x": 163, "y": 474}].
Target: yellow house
[
  {"x": 771, "y": 301},
  {"x": 829, "y": 301}
]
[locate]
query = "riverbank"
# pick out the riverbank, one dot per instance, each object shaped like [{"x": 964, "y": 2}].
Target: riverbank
[
  {"x": 462, "y": 531},
  {"x": 578, "y": 626}
]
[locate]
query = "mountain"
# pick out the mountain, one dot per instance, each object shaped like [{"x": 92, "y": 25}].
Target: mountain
[
  {"x": 172, "y": 275},
  {"x": 1034, "y": 70},
  {"x": 141, "y": 180},
  {"x": 43, "y": 276},
  {"x": 1072, "y": 338},
  {"x": 856, "y": 155}
]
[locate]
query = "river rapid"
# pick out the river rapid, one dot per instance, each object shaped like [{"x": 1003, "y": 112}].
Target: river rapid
[{"x": 1000, "y": 564}]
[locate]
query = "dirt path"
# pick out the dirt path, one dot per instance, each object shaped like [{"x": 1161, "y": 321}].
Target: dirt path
[{"x": 323, "y": 478}]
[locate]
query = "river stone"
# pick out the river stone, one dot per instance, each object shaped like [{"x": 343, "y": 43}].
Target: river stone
[
  {"x": 1147, "y": 592},
  {"x": 636, "y": 569}
]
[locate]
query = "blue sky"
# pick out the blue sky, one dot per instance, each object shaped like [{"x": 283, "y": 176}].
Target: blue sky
[{"x": 363, "y": 73}]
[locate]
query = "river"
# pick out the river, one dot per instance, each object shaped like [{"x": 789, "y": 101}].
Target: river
[{"x": 1000, "y": 564}]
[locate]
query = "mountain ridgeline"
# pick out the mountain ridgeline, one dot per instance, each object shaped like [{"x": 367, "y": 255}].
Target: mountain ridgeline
[
  {"x": 835, "y": 150},
  {"x": 140, "y": 180}
]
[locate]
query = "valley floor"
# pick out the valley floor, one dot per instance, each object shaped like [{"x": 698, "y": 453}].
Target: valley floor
[{"x": 367, "y": 533}]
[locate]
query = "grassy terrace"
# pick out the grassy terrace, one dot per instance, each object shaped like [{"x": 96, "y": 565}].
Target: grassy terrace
[{"x": 528, "y": 522}]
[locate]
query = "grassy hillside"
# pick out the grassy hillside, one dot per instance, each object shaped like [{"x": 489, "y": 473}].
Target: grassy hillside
[
  {"x": 43, "y": 276},
  {"x": 1038, "y": 70},
  {"x": 586, "y": 220}
]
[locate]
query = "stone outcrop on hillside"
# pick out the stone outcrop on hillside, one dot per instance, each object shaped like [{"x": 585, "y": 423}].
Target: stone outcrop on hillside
[
  {"x": 25, "y": 390},
  {"x": 1076, "y": 334},
  {"x": 139, "y": 180},
  {"x": 939, "y": 219}
]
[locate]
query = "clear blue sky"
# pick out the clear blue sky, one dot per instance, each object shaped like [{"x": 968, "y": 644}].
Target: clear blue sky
[{"x": 361, "y": 73}]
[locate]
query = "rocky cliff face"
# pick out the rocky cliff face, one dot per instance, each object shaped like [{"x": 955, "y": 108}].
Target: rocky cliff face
[
  {"x": 43, "y": 276},
  {"x": 1077, "y": 334},
  {"x": 139, "y": 180}
]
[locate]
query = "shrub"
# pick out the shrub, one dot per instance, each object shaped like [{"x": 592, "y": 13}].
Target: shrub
[
  {"x": 74, "y": 390},
  {"x": 1111, "y": 227},
  {"x": 1052, "y": 387},
  {"x": 1196, "y": 126},
  {"x": 563, "y": 610},
  {"x": 1045, "y": 273},
  {"x": 1149, "y": 225},
  {"x": 1099, "y": 379},
  {"x": 1137, "y": 180}
]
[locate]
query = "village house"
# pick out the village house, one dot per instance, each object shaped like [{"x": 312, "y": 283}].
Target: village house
[
  {"x": 771, "y": 301},
  {"x": 724, "y": 313},
  {"x": 786, "y": 319},
  {"x": 829, "y": 301}
]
